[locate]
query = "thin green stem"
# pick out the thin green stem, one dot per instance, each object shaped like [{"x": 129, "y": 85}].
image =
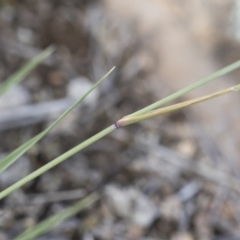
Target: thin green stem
[
  {"x": 13, "y": 156},
  {"x": 134, "y": 119},
  {"x": 52, "y": 221},
  {"x": 57, "y": 160},
  {"x": 187, "y": 89},
  {"x": 25, "y": 70}
]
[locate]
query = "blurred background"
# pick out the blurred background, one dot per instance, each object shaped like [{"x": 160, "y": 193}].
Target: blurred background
[{"x": 173, "y": 177}]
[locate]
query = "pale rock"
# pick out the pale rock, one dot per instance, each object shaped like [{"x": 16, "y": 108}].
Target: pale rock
[
  {"x": 77, "y": 87},
  {"x": 15, "y": 96},
  {"x": 25, "y": 35},
  {"x": 131, "y": 204},
  {"x": 187, "y": 148}
]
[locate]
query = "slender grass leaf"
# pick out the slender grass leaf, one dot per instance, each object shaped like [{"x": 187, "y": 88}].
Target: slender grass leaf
[
  {"x": 189, "y": 88},
  {"x": 57, "y": 160},
  {"x": 134, "y": 119},
  {"x": 54, "y": 220},
  {"x": 13, "y": 156},
  {"x": 25, "y": 70}
]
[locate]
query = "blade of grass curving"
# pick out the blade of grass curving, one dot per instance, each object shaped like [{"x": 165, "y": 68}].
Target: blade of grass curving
[
  {"x": 25, "y": 70},
  {"x": 57, "y": 160},
  {"x": 189, "y": 88},
  {"x": 134, "y": 119},
  {"x": 12, "y": 157},
  {"x": 52, "y": 221}
]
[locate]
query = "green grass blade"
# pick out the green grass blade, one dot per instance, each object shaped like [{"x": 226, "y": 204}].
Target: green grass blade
[
  {"x": 12, "y": 157},
  {"x": 187, "y": 89},
  {"x": 52, "y": 221},
  {"x": 57, "y": 160},
  {"x": 154, "y": 113},
  {"x": 25, "y": 70}
]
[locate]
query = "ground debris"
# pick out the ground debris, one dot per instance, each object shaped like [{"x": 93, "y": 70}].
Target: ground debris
[{"x": 174, "y": 177}]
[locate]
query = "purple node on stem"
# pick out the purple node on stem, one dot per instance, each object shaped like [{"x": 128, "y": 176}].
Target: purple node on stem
[{"x": 117, "y": 126}]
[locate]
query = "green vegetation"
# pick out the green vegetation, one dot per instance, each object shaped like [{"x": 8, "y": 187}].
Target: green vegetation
[{"x": 140, "y": 115}]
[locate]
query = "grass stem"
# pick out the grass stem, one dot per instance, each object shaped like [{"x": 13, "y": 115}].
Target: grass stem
[
  {"x": 130, "y": 120},
  {"x": 187, "y": 89},
  {"x": 57, "y": 160}
]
